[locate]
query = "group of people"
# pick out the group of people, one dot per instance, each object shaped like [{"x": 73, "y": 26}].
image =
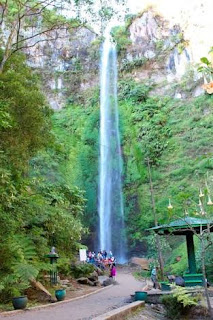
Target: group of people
[
  {"x": 101, "y": 256},
  {"x": 103, "y": 259}
]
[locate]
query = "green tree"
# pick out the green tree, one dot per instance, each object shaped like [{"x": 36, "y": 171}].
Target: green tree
[
  {"x": 27, "y": 23},
  {"x": 26, "y": 116}
]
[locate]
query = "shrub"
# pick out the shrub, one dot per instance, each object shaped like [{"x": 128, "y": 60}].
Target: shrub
[
  {"x": 178, "y": 303},
  {"x": 128, "y": 66},
  {"x": 81, "y": 270},
  {"x": 141, "y": 274},
  {"x": 63, "y": 266},
  {"x": 174, "y": 309},
  {"x": 136, "y": 92},
  {"x": 121, "y": 36}
]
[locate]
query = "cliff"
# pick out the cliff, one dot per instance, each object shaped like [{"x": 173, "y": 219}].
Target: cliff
[
  {"x": 66, "y": 64},
  {"x": 156, "y": 50}
]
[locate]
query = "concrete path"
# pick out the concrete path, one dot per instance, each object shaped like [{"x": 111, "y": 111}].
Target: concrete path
[{"x": 88, "y": 307}]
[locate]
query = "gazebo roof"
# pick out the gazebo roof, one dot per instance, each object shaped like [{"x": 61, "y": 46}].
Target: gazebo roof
[{"x": 182, "y": 226}]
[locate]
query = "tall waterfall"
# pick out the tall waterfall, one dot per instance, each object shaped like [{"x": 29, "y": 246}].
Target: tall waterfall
[{"x": 111, "y": 213}]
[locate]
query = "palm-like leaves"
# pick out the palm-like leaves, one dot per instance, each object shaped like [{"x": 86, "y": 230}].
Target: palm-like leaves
[
  {"x": 206, "y": 67},
  {"x": 24, "y": 267},
  {"x": 23, "y": 248},
  {"x": 25, "y": 271}
]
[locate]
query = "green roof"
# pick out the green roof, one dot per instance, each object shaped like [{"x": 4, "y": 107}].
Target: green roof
[{"x": 182, "y": 223}]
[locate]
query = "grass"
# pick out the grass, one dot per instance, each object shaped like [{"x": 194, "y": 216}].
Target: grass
[
  {"x": 9, "y": 307},
  {"x": 140, "y": 275}
]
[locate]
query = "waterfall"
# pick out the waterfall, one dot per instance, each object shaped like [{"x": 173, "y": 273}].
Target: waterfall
[{"x": 111, "y": 213}]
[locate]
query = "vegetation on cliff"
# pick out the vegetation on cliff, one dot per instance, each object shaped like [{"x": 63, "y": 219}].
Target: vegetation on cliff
[
  {"x": 174, "y": 134},
  {"x": 49, "y": 162}
]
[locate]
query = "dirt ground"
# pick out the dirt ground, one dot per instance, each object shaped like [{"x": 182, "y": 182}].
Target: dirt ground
[{"x": 149, "y": 312}]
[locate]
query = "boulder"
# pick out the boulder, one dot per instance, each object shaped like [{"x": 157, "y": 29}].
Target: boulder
[
  {"x": 84, "y": 280},
  {"x": 179, "y": 281},
  {"x": 38, "y": 292},
  {"x": 93, "y": 276},
  {"x": 64, "y": 282},
  {"x": 142, "y": 262},
  {"x": 108, "y": 282},
  {"x": 99, "y": 271},
  {"x": 97, "y": 283}
]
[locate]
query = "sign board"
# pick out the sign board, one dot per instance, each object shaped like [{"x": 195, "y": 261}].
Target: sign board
[{"x": 83, "y": 254}]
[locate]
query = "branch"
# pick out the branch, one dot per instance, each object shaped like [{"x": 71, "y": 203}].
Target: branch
[
  {"x": 209, "y": 226},
  {"x": 37, "y": 12},
  {"x": 209, "y": 244},
  {"x": 33, "y": 7},
  {"x": 3, "y": 12},
  {"x": 23, "y": 4},
  {"x": 34, "y": 44},
  {"x": 53, "y": 28},
  {"x": 18, "y": 31}
]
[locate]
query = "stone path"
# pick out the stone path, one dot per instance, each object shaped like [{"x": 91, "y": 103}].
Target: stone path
[{"x": 88, "y": 307}]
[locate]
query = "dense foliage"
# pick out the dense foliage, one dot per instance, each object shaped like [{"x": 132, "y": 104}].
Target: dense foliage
[
  {"x": 37, "y": 211},
  {"x": 169, "y": 132},
  {"x": 179, "y": 302}
]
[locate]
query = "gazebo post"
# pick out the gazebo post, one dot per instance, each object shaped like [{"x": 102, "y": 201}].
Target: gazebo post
[
  {"x": 191, "y": 252},
  {"x": 187, "y": 226}
]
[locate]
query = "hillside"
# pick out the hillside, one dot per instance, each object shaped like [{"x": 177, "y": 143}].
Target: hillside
[{"x": 161, "y": 118}]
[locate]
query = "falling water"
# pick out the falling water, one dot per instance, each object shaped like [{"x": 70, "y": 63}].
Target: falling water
[{"x": 111, "y": 213}]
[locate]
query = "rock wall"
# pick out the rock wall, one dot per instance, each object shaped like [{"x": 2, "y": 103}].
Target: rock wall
[
  {"x": 162, "y": 51},
  {"x": 194, "y": 17},
  {"x": 66, "y": 64},
  {"x": 165, "y": 55}
]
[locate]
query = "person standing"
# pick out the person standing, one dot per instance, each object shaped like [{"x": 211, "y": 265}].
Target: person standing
[
  {"x": 113, "y": 272},
  {"x": 90, "y": 255},
  {"x": 154, "y": 277},
  {"x": 105, "y": 254}
]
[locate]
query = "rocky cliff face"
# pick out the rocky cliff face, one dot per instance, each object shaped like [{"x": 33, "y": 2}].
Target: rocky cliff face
[
  {"x": 194, "y": 17},
  {"x": 160, "y": 52},
  {"x": 165, "y": 55},
  {"x": 66, "y": 63}
]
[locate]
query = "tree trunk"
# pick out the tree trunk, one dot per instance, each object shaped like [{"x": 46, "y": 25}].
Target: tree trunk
[
  {"x": 204, "y": 278},
  {"x": 4, "y": 60},
  {"x": 160, "y": 257},
  {"x": 7, "y": 51}
]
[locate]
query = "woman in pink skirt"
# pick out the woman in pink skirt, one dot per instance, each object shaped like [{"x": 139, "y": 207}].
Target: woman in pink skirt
[{"x": 113, "y": 271}]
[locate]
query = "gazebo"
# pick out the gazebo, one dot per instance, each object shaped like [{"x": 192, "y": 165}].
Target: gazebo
[{"x": 186, "y": 226}]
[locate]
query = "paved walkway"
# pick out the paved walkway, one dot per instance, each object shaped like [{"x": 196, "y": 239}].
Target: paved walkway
[{"x": 88, "y": 307}]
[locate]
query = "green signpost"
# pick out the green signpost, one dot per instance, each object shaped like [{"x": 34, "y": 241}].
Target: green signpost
[{"x": 53, "y": 271}]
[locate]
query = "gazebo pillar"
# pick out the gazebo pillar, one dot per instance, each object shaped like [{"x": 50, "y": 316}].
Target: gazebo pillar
[{"x": 191, "y": 252}]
